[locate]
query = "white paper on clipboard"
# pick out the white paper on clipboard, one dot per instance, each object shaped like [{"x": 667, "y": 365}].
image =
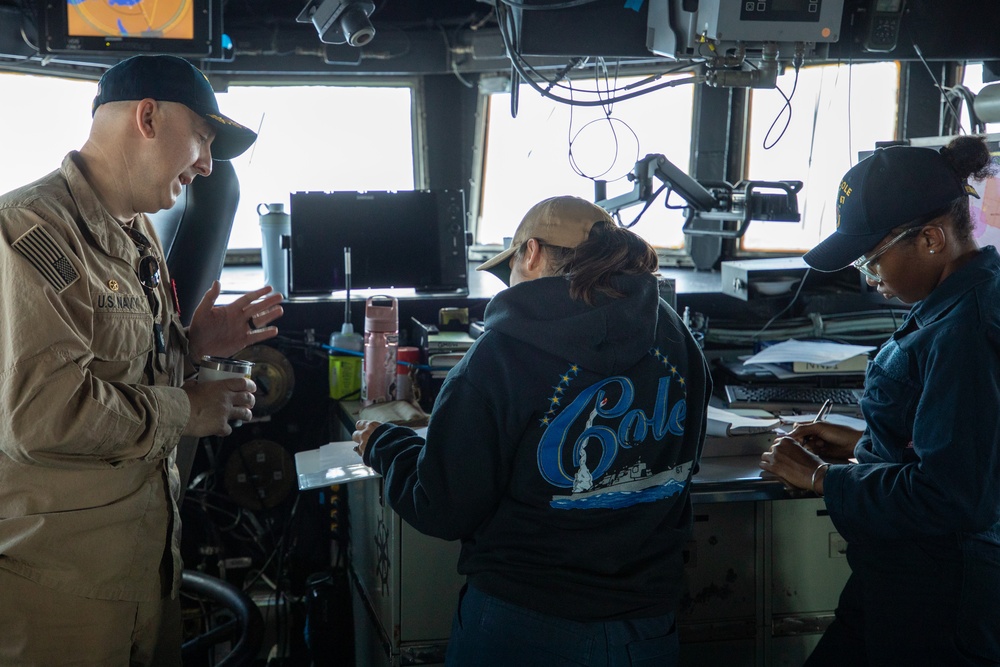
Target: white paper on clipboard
[{"x": 333, "y": 463}]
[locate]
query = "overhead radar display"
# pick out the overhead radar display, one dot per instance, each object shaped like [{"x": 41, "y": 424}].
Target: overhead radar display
[{"x": 166, "y": 19}]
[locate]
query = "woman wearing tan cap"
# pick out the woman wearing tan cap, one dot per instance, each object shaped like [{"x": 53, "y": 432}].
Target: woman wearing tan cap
[{"x": 560, "y": 452}]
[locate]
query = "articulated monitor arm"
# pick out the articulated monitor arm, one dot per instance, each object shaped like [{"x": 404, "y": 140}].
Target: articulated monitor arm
[{"x": 715, "y": 208}]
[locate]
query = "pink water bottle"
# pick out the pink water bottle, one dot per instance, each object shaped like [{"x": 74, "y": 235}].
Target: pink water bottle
[{"x": 378, "y": 373}]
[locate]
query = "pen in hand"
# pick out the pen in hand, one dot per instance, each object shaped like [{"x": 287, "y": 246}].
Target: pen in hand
[{"x": 824, "y": 410}]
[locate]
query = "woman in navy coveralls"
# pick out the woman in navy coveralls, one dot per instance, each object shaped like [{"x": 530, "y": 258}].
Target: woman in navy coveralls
[{"x": 920, "y": 509}]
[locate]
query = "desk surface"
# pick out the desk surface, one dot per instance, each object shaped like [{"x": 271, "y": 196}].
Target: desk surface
[
  {"x": 735, "y": 478},
  {"x": 720, "y": 479}
]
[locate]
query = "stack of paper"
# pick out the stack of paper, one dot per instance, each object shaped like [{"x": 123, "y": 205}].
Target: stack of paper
[
  {"x": 442, "y": 363},
  {"x": 796, "y": 357},
  {"x": 723, "y": 423},
  {"x": 734, "y": 434}
]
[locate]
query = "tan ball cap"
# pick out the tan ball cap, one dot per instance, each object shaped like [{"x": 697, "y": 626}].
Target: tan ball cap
[{"x": 563, "y": 221}]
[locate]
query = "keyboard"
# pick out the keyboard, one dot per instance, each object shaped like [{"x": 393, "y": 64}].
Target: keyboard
[{"x": 792, "y": 397}]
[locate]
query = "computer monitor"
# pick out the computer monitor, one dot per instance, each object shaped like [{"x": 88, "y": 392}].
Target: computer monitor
[
  {"x": 403, "y": 239},
  {"x": 181, "y": 27}
]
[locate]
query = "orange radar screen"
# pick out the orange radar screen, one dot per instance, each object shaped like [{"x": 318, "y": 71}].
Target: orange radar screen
[{"x": 168, "y": 19}]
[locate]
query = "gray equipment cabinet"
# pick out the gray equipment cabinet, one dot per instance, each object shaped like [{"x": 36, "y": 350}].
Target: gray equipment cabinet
[
  {"x": 763, "y": 574},
  {"x": 404, "y": 585}
]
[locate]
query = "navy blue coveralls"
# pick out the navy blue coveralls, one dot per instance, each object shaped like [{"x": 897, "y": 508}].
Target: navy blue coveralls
[{"x": 921, "y": 509}]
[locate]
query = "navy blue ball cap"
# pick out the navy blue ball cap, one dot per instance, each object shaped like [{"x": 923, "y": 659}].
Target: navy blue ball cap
[
  {"x": 889, "y": 189},
  {"x": 169, "y": 78}
]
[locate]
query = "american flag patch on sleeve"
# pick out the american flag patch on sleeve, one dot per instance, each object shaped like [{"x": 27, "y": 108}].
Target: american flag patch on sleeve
[{"x": 38, "y": 247}]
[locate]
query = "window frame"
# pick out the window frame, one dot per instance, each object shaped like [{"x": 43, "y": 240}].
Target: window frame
[
  {"x": 500, "y": 82},
  {"x": 251, "y": 255},
  {"x": 418, "y": 130},
  {"x": 739, "y": 249}
]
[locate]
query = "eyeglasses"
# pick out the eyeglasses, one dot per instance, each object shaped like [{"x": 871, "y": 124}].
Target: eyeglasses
[
  {"x": 149, "y": 277},
  {"x": 149, "y": 267},
  {"x": 863, "y": 263}
]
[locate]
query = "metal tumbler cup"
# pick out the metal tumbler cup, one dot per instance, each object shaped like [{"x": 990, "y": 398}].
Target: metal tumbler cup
[{"x": 223, "y": 368}]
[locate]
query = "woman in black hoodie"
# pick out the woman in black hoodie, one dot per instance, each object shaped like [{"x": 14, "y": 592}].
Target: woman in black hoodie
[{"x": 560, "y": 452}]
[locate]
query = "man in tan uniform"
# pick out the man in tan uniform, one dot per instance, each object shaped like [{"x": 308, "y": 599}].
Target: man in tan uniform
[{"x": 93, "y": 360}]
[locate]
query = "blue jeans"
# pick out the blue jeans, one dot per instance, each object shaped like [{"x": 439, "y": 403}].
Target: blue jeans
[{"x": 490, "y": 632}]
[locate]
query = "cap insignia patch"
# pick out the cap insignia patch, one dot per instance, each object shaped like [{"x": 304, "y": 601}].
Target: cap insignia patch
[{"x": 224, "y": 121}]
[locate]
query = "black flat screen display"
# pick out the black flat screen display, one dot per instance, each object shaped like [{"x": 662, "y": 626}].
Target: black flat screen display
[{"x": 403, "y": 239}]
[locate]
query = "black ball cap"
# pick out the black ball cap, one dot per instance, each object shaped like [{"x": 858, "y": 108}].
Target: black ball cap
[
  {"x": 894, "y": 187},
  {"x": 168, "y": 78}
]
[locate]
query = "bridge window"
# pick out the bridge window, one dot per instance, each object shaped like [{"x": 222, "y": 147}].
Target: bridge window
[
  {"x": 837, "y": 111},
  {"x": 311, "y": 138},
  {"x": 552, "y": 148}
]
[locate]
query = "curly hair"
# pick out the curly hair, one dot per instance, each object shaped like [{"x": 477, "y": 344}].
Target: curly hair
[{"x": 970, "y": 158}]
